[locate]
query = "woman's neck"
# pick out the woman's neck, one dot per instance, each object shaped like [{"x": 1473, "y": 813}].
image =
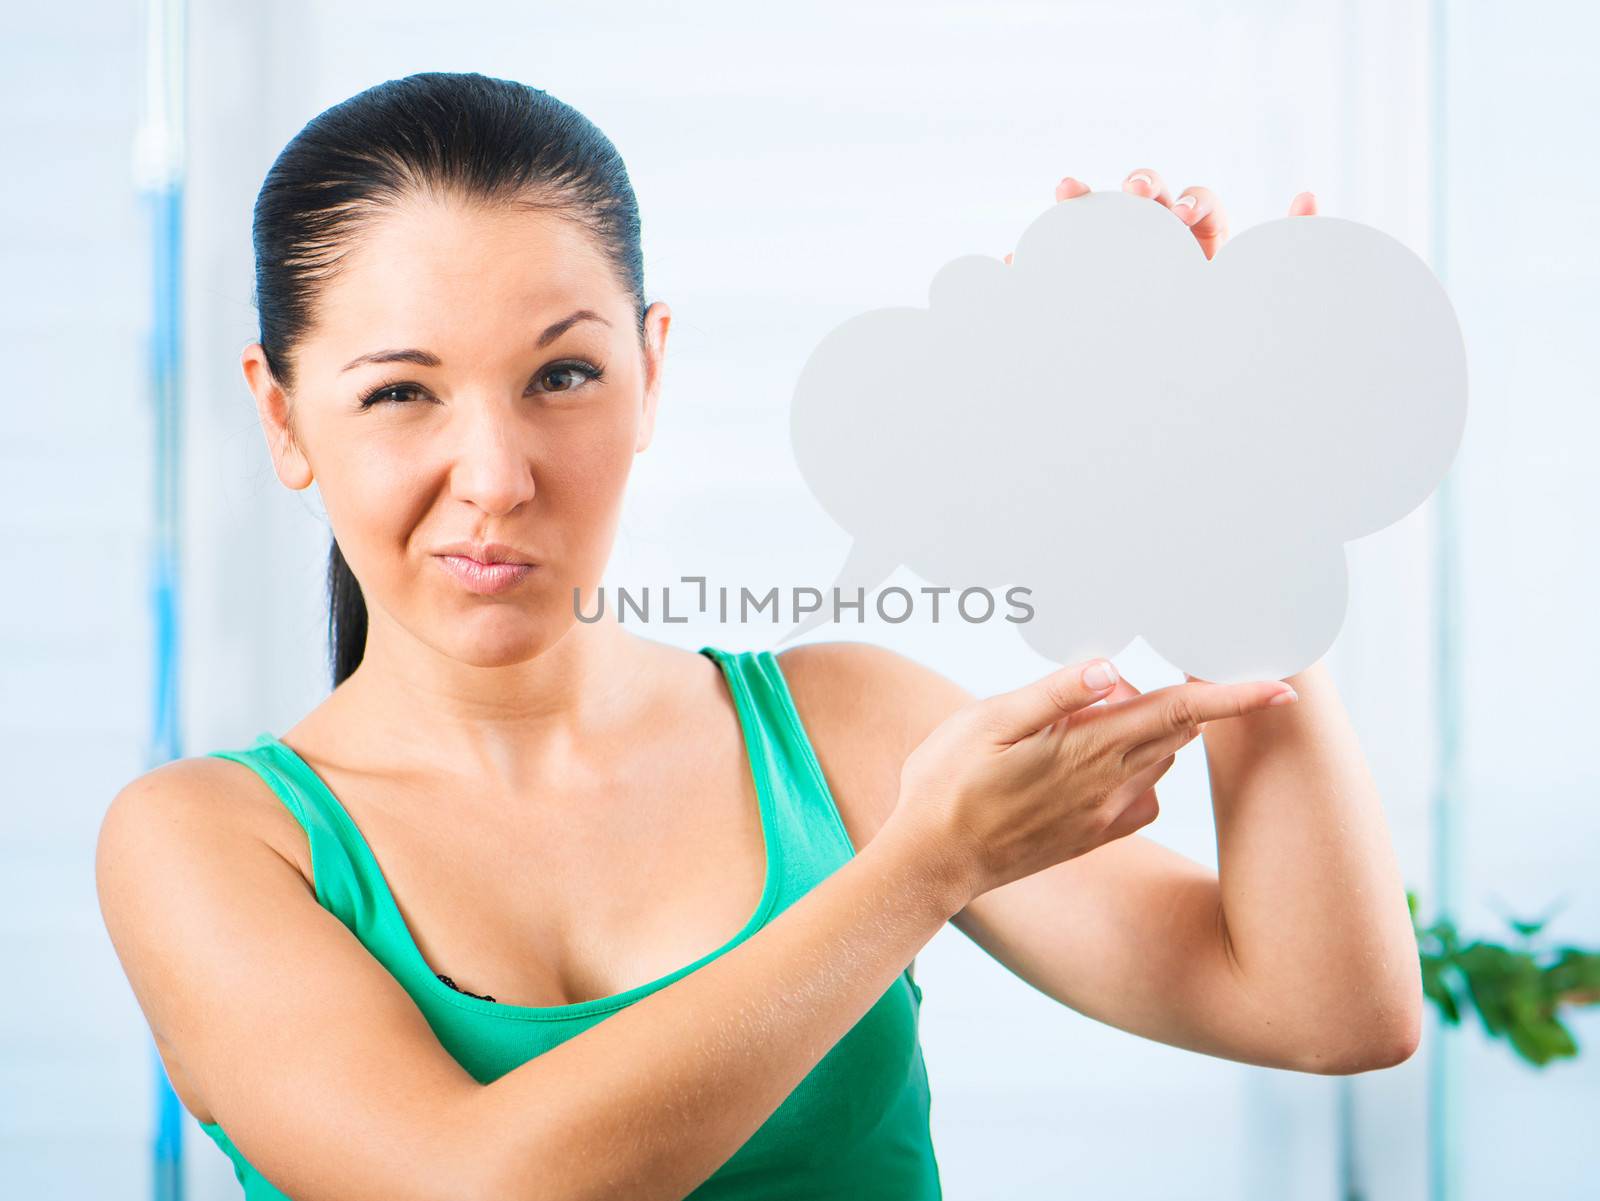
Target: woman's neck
[{"x": 503, "y": 725}]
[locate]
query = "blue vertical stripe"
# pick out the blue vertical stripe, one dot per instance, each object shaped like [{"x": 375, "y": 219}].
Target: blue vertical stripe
[{"x": 161, "y": 182}]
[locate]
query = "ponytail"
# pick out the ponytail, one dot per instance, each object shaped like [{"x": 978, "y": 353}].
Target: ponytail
[{"x": 347, "y": 617}]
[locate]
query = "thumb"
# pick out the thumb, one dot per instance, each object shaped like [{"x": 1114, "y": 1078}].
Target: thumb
[{"x": 1012, "y": 716}]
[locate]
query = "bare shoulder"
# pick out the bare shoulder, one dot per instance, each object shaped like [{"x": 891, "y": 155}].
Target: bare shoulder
[
  {"x": 198, "y": 805},
  {"x": 165, "y": 822},
  {"x": 865, "y": 708},
  {"x": 176, "y": 845},
  {"x": 233, "y": 963}
]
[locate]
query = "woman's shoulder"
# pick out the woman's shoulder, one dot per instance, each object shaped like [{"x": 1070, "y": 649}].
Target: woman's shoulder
[
  {"x": 864, "y": 709},
  {"x": 185, "y": 857},
  {"x": 204, "y": 797},
  {"x": 862, "y": 684}
]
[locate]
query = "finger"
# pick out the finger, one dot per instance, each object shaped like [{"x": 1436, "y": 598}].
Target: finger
[
  {"x": 1142, "y": 756},
  {"x": 1069, "y": 188},
  {"x": 1012, "y": 716},
  {"x": 1146, "y": 780},
  {"x": 1141, "y": 782},
  {"x": 1180, "y": 706},
  {"x": 1196, "y": 680},
  {"x": 1121, "y": 691},
  {"x": 1143, "y": 181},
  {"x": 1143, "y": 810},
  {"x": 1303, "y": 205},
  {"x": 1199, "y": 209},
  {"x": 1124, "y": 691}
]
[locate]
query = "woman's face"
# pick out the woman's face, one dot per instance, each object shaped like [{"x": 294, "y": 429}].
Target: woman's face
[{"x": 507, "y": 420}]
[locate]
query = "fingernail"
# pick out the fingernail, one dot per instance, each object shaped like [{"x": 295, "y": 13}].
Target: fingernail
[
  {"x": 1284, "y": 697},
  {"x": 1142, "y": 178},
  {"x": 1185, "y": 207},
  {"x": 1099, "y": 676}
]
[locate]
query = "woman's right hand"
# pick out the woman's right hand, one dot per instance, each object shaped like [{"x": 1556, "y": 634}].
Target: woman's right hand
[{"x": 1015, "y": 783}]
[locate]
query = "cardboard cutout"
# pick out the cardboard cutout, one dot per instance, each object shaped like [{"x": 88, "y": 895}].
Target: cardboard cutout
[{"x": 1154, "y": 444}]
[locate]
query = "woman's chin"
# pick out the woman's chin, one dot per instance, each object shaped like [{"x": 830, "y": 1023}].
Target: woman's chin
[{"x": 497, "y": 639}]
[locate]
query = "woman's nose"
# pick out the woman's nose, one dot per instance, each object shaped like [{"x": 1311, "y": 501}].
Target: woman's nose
[{"x": 493, "y": 464}]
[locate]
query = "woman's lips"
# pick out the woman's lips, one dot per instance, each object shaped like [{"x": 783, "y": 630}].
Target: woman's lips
[{"x": 485, "y": 578}]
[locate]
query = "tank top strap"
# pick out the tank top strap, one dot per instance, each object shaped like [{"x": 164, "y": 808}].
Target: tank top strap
[
  {"x": 805, "y": 826},
  {"x": 811, "y": 834},
  {"x": 347, "y": 882}
]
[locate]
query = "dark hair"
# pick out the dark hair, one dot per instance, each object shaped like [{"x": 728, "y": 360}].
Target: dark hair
[{"x": 470, "y": 136}]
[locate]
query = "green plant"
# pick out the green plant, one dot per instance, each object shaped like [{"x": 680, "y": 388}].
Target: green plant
[{"x": 1516, "y": 990}]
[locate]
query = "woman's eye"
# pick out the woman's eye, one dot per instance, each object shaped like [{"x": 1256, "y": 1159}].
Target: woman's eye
[
  {"x": 393, "y": 392},
  {"x": 564, "y": 369},
  {"x": 406, "y": 393}
]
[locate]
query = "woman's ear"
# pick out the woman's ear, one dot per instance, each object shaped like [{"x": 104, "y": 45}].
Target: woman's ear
[
  {"x": 272, "y": 407},
  {"x": 657, "y": 320}
]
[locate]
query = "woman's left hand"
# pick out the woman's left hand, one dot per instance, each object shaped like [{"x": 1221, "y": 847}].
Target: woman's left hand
[{"x": 1196, "y": 207}]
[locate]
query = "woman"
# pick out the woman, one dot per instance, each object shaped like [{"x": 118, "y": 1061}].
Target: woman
[{"x": 644, "y": 920}]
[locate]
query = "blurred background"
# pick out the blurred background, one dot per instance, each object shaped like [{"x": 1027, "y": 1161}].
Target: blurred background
[{"x": 796, "y": 165}]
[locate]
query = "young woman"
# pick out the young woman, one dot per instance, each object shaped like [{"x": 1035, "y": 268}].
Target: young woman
[{"x": 535, "y": 908}]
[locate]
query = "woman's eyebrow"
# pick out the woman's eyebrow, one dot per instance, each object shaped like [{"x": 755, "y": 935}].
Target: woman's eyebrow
[
  {"x": 421, "y": 357},
  {"x": 425, "y": 358}
]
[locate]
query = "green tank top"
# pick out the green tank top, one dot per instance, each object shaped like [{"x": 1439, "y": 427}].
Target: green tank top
[{"x": 855, "y": 1127}]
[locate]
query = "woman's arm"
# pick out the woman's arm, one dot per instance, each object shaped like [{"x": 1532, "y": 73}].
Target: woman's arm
[
  {"x": 655, "y": 1098},
  {"x": 329, "y": 1080},
  {"x": 1131, "y": 934},
  {"x": 1313, "y": 904}
]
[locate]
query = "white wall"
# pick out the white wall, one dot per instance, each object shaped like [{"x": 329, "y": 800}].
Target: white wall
[
  {"x": 1521, "y": 250},
  {"x": 74, "y": 633},
  {"x": 794, "y": 167}
]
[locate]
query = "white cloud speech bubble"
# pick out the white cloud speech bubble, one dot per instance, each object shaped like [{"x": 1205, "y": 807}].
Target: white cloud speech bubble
[{"x": 1154, "y": 444}]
